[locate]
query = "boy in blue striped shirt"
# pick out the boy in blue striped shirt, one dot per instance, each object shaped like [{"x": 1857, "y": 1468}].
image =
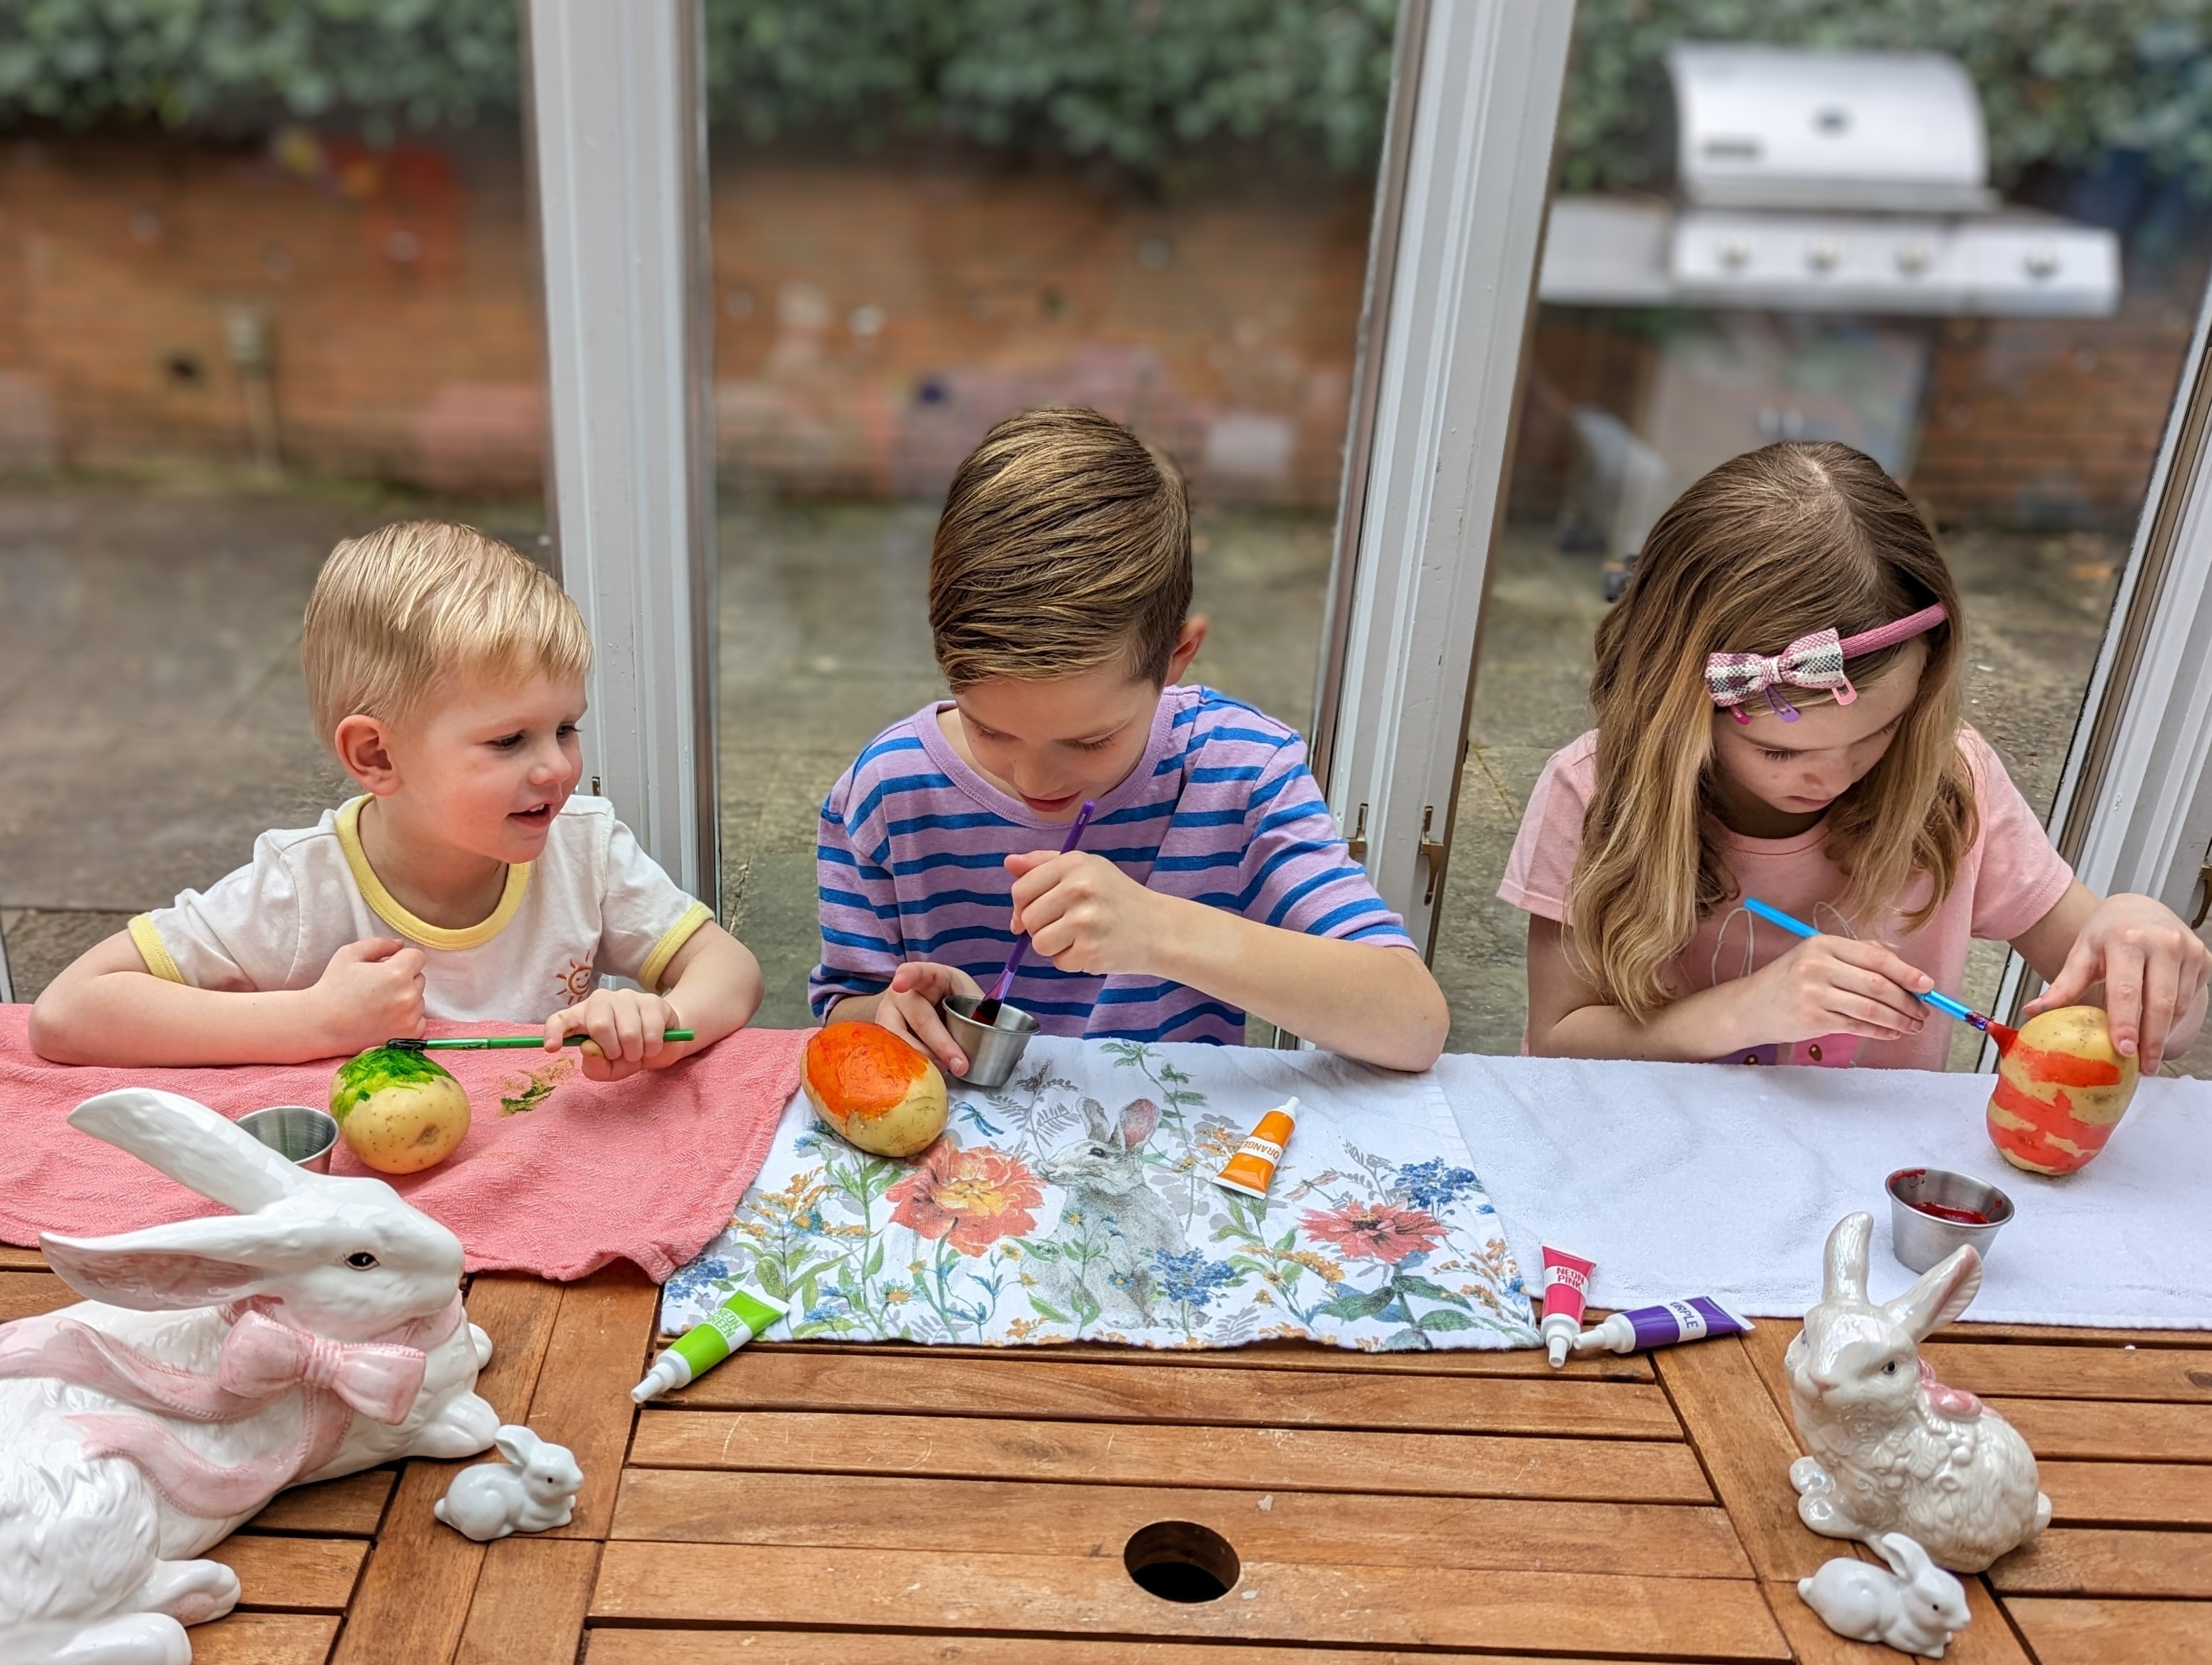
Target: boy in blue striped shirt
[{"x": 1210, "y": 882}]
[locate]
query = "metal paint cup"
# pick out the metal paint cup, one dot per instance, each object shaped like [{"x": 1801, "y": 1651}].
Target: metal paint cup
[
  {"x": 1920, "y": 1234},
  {"x": 301, "y": 1136},
  {"x": 992, "y": 1050}
]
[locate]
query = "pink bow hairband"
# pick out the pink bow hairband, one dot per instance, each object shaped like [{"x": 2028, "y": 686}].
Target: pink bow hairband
[{"x": 1813, "y": 661}]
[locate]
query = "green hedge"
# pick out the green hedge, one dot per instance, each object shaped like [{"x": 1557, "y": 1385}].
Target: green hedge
[{"x": 1140, "y": 81}]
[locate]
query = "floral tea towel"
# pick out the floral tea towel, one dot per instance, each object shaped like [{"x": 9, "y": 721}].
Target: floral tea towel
[{"x": 1075, "y": 1204}]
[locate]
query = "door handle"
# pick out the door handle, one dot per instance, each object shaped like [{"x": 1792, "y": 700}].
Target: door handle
[
  {"x": 2204, "y": 890},
  {"x": 1433, "y": 852}
]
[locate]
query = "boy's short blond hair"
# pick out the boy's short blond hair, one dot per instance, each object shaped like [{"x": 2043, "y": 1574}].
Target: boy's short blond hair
[
  {"x": 1065, "y": 546},
  {"x": 399, "y": 613}
]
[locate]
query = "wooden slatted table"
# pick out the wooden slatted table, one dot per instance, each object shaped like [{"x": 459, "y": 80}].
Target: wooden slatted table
[{"x": 816, "y": 1502}]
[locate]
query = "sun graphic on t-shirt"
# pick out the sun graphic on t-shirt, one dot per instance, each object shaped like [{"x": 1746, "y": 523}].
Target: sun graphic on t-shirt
[{"x": 576, "y": 982}]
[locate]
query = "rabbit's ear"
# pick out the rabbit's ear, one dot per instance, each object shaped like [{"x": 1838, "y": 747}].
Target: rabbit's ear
[
  {"x": 1138, "y": 1117},
  {"x": 191, "y": 1145},
  {"x": 186, "y": 1263},
  {"x": 1905, "y": 1557},
  {"x": 1945, "y": 1291},
  {"x": 516, "y": 1443},
  {"x": 1846, "y": 1276},
  {"x": 1095, "y": 1118}
]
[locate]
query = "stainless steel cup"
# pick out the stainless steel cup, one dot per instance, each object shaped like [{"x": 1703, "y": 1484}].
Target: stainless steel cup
[
  {"x": 303, "y": 1137},
  {"x": 993, "y": 1052},
  {"x": 1920, "y": 1238}
]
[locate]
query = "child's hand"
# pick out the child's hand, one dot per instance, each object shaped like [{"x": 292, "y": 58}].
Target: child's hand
[
  {"x": 1084, "y": 913},
  {"x": 625, "y": 1025},
  {"x": 371, "y": 992},
  {"x": 1834, "y": 986},
  {"x": 908, "y": 1008},
  {"x": 2152, "y": 966}
]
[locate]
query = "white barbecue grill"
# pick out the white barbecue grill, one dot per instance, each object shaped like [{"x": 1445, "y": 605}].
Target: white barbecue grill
[
  {"x": 1827, "y": 208},
  {"x": 1828, "y": 182}
]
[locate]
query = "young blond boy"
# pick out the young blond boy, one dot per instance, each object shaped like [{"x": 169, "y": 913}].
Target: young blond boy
[
  {"x": 1210, "y": 882},
  {"x": 467, "y": 882}
]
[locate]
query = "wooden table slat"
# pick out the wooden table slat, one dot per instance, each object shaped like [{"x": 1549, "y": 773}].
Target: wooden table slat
[
  {"x": 27, "y": 1294},
  {"x": 1252, "y": 1356},
  {"x": 1748, "y": 1449},
  {"x": 1248, "y": 1459},
  {"x": 2072, "y": 1631},
  {"x": 530, "y": 1602},
  {"x": 960, "y": 1517},
  {"x": 1053, "y": 1389},
  {"x": 2109, "y": 1561},
  {"x": 2152, "y": 1493},
  {"x": 1967, "y": 1330},
  {"x": 600, "y": 1343},
  {"x": 347, "y": 1508},
  {"x": 2016, "y": 1369},
  {"x": 659, "y": 1645},
  {"x": 264, "y": 1639},
  {"x": 414, "y": 1595},
  {"x": 13, "y": 1259},
  {"x": 519, "y": 1314},
  {"x": 2139, "y": 1433},
  {"x": 292, "y": 1575},
  {"x": 1723, "y": 1618}
]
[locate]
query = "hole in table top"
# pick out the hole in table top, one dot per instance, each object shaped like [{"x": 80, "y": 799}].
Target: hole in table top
[{"x": 1181, "y": 1561}]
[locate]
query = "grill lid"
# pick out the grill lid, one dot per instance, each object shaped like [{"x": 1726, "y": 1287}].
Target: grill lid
[{"x": 1793, "y": 127}]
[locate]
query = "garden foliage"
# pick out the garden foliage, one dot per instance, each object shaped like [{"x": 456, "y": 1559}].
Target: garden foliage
[{"x": 1142, "y": 82}]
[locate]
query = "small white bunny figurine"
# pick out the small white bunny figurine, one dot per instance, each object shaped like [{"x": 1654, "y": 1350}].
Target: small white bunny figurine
[
  {"x": 1892, "y": 1448},
  {"x": 1914, "y": 1607},
  {"x": 316, "y": 1331},
  {"x": 534, "y": 1490}
]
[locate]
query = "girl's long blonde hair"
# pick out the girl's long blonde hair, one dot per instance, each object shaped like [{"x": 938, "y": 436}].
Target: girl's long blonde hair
[{"x": 1770, "y": 546}]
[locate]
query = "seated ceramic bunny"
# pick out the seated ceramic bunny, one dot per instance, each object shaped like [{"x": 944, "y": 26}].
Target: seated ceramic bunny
[
  {"x": 534, "y": 1490},
  {"x": 316, "y": 1331},
  {"x": 1914, "y": 1606},
  {"x": 1893, "y": 1450}
]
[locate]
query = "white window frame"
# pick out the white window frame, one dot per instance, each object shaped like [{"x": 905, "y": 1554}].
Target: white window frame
[
  {"x": 1458, "y": 239},
  {"x": 2134, "y": 807},
  {"x": 617, "y": 127}
]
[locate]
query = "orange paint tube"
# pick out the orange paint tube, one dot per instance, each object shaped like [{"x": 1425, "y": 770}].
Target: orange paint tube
[{"x": 1250, "y": 1169}]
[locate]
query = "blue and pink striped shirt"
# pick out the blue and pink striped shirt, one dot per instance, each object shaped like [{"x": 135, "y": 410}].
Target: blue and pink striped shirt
[{"x": 1221, "y": 810}]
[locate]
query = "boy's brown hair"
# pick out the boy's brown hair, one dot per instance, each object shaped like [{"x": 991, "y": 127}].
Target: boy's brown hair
[
  {"x": 399, "y": 612},
  {"x": 1065, "y": 546}
]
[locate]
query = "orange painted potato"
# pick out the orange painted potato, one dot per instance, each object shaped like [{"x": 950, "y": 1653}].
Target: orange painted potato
[
  {"x": 879, "y": 1092},
  {"x": 2060, "y": 1090}
]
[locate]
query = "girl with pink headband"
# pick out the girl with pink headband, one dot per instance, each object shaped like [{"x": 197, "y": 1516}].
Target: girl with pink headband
[{"x": 1779, "y": 716}]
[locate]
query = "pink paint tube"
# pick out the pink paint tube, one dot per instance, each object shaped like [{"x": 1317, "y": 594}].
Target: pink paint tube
[
  {"x": 1566, "y": 1289},
  {"x": 1662, "y": 1326}
]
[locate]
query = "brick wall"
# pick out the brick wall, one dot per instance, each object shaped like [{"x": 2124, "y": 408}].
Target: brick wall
[{"x": 874, "y": 315}]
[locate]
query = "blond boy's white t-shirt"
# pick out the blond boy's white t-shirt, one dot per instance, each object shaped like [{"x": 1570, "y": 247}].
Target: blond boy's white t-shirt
[{"x": 593, "y": 904}]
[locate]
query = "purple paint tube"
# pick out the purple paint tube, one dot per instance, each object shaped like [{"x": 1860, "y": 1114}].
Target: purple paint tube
[{"x": 1694, "y": 1320}]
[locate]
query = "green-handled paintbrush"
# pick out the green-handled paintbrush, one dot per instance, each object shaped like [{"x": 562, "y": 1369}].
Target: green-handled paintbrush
[{"x": 495, "y": 1042}]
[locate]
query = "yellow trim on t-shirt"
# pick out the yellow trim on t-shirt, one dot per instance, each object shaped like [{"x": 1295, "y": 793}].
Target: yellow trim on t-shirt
[
  {"x": 152, "y": 949},
  {"x": 672, "y": 939},
  {"x": 385, "y": 906}
]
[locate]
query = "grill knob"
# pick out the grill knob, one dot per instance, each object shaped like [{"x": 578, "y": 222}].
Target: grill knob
[
  {"x": 1736, "y": 253},
  {"x": 1823, "y": 255},
  {"x": 2041, "y": 261},
  {"x": 1912, "y": 258}
]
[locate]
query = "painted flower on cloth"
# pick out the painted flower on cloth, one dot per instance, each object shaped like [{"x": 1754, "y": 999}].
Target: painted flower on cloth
[
  {"x": 1375, "y": 1230},
  {"x": 1432, "y": 1186},
  {"x": 970, "y": 1198}
]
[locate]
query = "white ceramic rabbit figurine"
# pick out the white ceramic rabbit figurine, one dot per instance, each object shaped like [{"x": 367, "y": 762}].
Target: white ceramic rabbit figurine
[
  {"x": 1914, "y": 1606},
  {"x": 534, "y": 1490},
  {"x": 317, "y": 1331},
  {"x": 1892, "y": 1448}
]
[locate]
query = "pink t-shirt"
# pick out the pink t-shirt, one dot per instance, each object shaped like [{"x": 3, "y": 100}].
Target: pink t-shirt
[{"x": 2010, "y": 879}]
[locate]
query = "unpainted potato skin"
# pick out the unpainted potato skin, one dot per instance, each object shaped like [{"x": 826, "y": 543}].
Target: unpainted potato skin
[
  {"x": 2062, "y": 1088},
  {"x": 879, "y": 1092}
]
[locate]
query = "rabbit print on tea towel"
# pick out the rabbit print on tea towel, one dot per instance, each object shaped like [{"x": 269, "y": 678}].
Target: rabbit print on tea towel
[{"x": 316, "y": 1331}]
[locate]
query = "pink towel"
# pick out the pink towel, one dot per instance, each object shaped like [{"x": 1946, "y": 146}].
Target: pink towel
[{"x": 646, "y": 1169}]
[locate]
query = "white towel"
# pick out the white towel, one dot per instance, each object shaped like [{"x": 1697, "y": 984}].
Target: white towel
[{"x": 1722, "y": 1180}]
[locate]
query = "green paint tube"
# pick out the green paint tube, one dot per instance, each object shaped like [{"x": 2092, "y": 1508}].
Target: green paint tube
[{"x": 705, "y": 1345}]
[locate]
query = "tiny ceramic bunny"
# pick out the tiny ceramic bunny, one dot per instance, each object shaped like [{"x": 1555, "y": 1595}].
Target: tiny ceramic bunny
[
  {"x": 1914, "y": 1607},
  {"x": 1892, "y": 1448},
  {"x": 316, "y": 1331},
  {"x": 534, "y": 1490}
]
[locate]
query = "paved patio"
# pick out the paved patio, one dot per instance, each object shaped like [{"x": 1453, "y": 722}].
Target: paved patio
[{"x": 152, "y": 718}]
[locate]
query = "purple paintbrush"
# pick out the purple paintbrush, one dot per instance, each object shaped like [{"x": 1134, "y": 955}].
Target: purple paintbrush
[{"x": 988, "y": 1013}]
